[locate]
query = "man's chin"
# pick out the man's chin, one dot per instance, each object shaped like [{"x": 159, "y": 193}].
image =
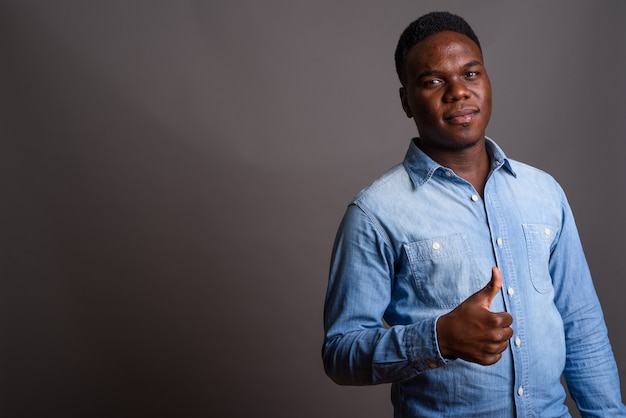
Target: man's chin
[{"x": 462, "y": 145}]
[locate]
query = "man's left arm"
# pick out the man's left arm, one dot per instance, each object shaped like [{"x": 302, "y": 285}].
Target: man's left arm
[{"x": 590, "y": 369}]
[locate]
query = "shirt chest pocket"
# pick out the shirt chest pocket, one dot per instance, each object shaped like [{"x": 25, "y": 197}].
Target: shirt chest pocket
[
  {"x": 443, "y": 269},
  {"x": 539, "y": 239}
]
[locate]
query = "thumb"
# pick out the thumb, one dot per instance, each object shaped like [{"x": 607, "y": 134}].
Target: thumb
[{"x": 487, "y": 293}]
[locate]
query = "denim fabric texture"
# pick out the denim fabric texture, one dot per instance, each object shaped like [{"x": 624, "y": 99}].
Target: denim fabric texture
[{"x": 418, "y": 242}]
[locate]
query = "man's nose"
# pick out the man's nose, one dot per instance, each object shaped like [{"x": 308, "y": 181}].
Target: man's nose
[{"x": 456, "y": 90}]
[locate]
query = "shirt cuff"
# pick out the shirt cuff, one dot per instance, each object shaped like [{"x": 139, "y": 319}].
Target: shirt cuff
[{"x": 422, "y": 347}]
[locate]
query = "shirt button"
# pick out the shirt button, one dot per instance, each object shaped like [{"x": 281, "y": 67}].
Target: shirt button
[
  {"x": 520, "y": 391},
  {"x": 436, "y": 246},
  {"x": 448, "y": 174},
  {"x": 518, "y": 341},
  {"x": 499, "y": 241},
  {"x": 432, "y": 364},
  {"x": 546, "y": 231},
  {"x": 474, "y": 198},
  {"x": 510, "y": 291}
]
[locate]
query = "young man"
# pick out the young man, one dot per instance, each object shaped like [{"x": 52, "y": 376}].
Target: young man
[{"x": 472, "y": 259}]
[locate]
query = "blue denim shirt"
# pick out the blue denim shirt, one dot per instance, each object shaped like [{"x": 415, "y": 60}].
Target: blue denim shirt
[{"x": 418, "y": 242}]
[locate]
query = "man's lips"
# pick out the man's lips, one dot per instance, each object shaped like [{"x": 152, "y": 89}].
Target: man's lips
[{"x": 461, "y": 116}]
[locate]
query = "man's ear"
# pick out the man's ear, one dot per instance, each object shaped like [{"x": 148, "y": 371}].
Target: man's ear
[{"x": 405, "y": 103}]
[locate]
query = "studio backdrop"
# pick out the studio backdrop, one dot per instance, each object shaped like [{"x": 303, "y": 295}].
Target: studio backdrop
[{"x": 173, "y": 173}]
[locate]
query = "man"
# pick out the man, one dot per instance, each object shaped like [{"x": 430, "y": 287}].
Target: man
[{"x": 458, "y": 276}]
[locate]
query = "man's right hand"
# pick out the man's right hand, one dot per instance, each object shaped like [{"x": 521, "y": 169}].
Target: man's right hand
[{"x": 471, "y": 331}]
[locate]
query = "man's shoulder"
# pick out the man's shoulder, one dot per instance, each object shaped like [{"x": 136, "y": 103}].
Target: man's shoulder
[
  {"x": 530, "y": 180},
  {"x": 393, "y": 181},
  {"x": 525, "y": 170}
]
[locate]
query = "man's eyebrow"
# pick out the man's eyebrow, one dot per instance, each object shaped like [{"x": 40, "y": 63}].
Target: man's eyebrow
[
  {"x": 472, "y": 64},
  {"x": 435, "y": 72},
  {"x": 428, "y": 73}
]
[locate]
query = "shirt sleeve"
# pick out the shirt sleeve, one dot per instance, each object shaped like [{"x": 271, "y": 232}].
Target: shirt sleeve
[
  {"x": 590, "y": 369},
  {"x": 358, "y": 349}
]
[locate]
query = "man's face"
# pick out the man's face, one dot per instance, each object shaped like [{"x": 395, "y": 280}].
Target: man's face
[{"x": 447, "y": 91}]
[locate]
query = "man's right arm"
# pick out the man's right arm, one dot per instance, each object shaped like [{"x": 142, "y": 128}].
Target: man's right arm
[{"x": 358, "y": 349}]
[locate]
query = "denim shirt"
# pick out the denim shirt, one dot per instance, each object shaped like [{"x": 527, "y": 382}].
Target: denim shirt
[{"x": 418, "y": 242}]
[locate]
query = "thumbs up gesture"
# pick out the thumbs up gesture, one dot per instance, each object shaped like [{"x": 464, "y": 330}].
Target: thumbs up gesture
[{"x": 471, "y": 331}]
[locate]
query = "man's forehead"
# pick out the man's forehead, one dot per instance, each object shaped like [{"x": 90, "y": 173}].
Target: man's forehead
[
  {"x": 447, "y": 37},
  {"x": 444, "y": 43}
]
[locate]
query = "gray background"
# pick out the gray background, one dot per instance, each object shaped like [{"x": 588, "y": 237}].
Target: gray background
[{"x": 173, "y": 173}]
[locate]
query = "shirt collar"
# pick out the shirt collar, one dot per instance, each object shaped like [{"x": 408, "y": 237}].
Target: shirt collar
[{"x": 421, "y": 167}]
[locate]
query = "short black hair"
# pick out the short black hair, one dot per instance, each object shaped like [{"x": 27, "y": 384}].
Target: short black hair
[{"x": 429, "y": 24}]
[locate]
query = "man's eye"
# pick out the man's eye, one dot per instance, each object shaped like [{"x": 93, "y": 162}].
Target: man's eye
[
  {"x": 432, "y": 82},
  {"x": 471, "y": 74}
]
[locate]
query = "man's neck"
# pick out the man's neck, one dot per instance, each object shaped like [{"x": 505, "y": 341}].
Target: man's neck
[{"x": 471, "y": 163}]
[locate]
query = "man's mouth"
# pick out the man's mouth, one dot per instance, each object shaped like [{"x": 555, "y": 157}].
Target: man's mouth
[{"x": 462, "y": 116}]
